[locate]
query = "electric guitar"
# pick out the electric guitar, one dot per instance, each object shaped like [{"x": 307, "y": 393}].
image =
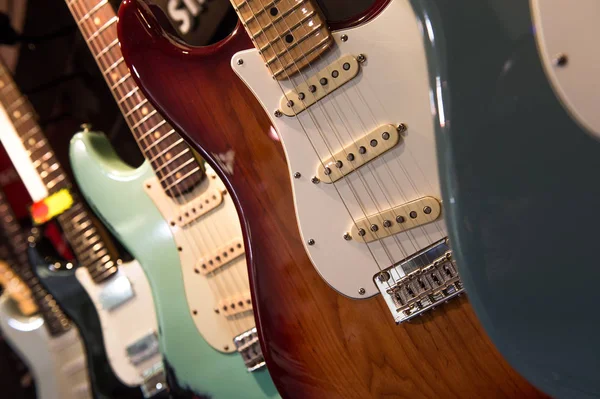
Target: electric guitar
[
  {"x": 33, "y": 323},
  {"x": 517, "y": 130},
  {"x": 180, "y": 222},
  {"x": 328, "y": 151},
  {"x": 110, "y": 303}
]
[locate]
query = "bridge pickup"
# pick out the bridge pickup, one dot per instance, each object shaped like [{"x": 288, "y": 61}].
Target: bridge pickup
[
  {"x": 357, "y": 154},
  {"x": 116, "y": 292},
  {"x": 409, "y": 288},
  {"x": 221, "y": 257},
  {"x": 320, "y": 85},
  {"x": 235, "y": 305},
  {"x": 396, "y": 220},
  {"x": 199, "y": 206},
  {"x": 248, "y": 346},
  {"x": 143, "y": 349}
]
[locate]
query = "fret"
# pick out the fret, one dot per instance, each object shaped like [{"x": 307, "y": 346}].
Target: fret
[
  {"x": 292, "y": 33},
  {"x": 157, "y": 142},
  {"x": 16, "y": 104},
  {"x": 144, "y": 119},
  {"x": 30, "y": 132},
  {"x": 114, "y": 65},
  {"x": 129, "y": 94},
  {"x": 154, "y": 130},
  {"x": 178, "y": 169},
  {"x": 92, "y": 11},
  {"x": 36, "y": 146},
  {"x": 22, "y": 119},
  {"x": 102, "y": 29},
  {"x": 163, "y": 152},
  {"x": 182, "y": 178},
  {"x": 106, "y": 49},
  {"x": 166, "y": 164},
  {"x": 55, "y": 181},
  {"x": 120, "y": 81},
  {"x": 134, "y": 109}
]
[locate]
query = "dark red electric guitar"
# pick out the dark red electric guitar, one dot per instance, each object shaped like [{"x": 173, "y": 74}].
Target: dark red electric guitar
[{"x": 324, "y": 136}]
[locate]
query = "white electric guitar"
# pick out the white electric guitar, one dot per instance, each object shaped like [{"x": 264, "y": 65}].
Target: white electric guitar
[{"x": 120, "y": 292}]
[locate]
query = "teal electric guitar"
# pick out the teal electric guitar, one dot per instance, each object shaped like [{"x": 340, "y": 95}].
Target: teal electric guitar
[
  {"x": 180, "y": 223},
  {"x": 517, "y": 95}
]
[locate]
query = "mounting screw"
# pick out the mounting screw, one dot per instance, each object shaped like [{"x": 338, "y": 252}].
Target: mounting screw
[
  {"x": 278, "y": 114},
  {"x": 362, "y": 291},
  {"x": 383, "y": 277},
  {"x": 315, "y": 180},
  {"x": 344, "y": 38},
  {"x": 347, "y": 237},
  {"x": 561, "y": 60},
  {"x": 240, "y": 61},
  {"x": 401, "y": 127},
  {"x": 311, "y": 242},
  {"x": 86, "y": 127},
  {"x": 361, "y": 58},
  {"x": 297, "y": 175}
]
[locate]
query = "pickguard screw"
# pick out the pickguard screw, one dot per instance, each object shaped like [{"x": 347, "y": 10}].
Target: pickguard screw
[
  {"x": 401, "y": 127},
  {"x": 362, "y": 291},
  {"x": 427, "y": 210},
  {"x": 240, "y": 62},
  {"x": 297, "y": 175},
  {"x": 311, "y": 242},
  {"x": 315, "y": 180},
  {"x": 361, "y": 58},
  {"x": 561, "y": 60},
  {"x": 383, "y": 277},
  {"x": 347, "y": 237},
  {"x": 278, "y": 114},
  {"x": 344, "y": 38}
]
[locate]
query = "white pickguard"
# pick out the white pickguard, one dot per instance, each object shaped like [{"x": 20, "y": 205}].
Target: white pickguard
[
  {"x": 392, "y": 88},
  {"x": 199, "y": 239},
  {"x": 125, "y": 324},
  {"x": 58, "y": 364},
  {"x": 564, "y": 29}
]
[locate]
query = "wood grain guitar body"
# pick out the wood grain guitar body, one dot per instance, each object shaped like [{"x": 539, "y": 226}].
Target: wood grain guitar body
[{"x": 317, "y": 343}]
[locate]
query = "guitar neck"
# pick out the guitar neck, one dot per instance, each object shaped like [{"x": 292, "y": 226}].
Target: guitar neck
[
  {"x": 289, "y": 34},
  {"x": 173, "y": 161},
  {"x": 82, "y": 234},
  {"x": 15, "y": 253}
]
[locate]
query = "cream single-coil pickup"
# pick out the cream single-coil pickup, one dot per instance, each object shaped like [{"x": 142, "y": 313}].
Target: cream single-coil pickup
[
  {"x": 199, "y": 206},
  {"x": 358, "y": 153},
  {"x": 221, "y": 257},
  {"x": 396, "y": 220},
  {"x": 320, "y": 85},
  {"x": 235, "y": 305}
]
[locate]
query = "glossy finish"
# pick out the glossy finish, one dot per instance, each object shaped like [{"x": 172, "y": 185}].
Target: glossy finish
[
  {"x": 139, "y": 226},
  {"x": 521, "y": 190},
  {"x": 74, "y": 300},
  {"x": 317, "y": 343}
]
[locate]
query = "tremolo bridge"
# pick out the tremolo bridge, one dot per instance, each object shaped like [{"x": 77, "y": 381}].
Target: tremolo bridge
[{"x": 420, "y": 282}]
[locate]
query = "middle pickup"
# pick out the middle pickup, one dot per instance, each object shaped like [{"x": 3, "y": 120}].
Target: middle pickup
[
  {"x": 358, "y": 153},
  {"x": 221, "y": 257}
]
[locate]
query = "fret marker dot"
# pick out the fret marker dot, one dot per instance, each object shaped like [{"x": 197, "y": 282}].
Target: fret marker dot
[
  {"x": 45, "y": 165},
  {"x": 43, "y": 174},
  {"x": 31, "y": 141},
  {"x": 289, "y": 38},
  {"x": 1, "y": 83},
  {"x": 144, "y": 111},
  {"x": 156, "y": 134},
  {"x": 114, "y": 76},
  {"x": 178, "y": 175},
  {"x": 97, "y": 21},
  {"x": 17, "y": 114},
  {"x": 168, "y": 156},
  {"x": 274, "y": 11}
]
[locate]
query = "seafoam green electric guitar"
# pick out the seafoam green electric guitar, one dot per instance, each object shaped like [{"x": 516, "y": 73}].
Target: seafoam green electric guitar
[{"x": 180, "y": 223}]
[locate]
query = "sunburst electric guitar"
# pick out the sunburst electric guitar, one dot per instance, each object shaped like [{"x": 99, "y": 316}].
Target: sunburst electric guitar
[
  {"x": 329, "y": 141},
  {"x": 33, "y": 323},
  {"x": 111, "y": 302},
  {"x": 180, "y": 223}
]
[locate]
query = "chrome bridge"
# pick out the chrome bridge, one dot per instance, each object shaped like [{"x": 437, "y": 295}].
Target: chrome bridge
[
  {"x": 248, "y": 346},
  {"x": 155, "y": 381},
  {"x": 420, "y": 282}
]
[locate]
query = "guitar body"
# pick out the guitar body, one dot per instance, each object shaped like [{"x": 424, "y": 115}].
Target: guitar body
[
  {"x": 74, "y": 300},
  {"x": 130, "y": 322},
  {"x": 193, "y": 365},
  {"x": 516, "y": 163},
  {"x": 58, "y": 364},
  {"x": 317, "y": 343}
]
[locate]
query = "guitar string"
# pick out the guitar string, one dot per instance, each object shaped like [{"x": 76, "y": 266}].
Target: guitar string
[
  {"x": 304, "y": 129},
  {"x": 227, "y": 275}
]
